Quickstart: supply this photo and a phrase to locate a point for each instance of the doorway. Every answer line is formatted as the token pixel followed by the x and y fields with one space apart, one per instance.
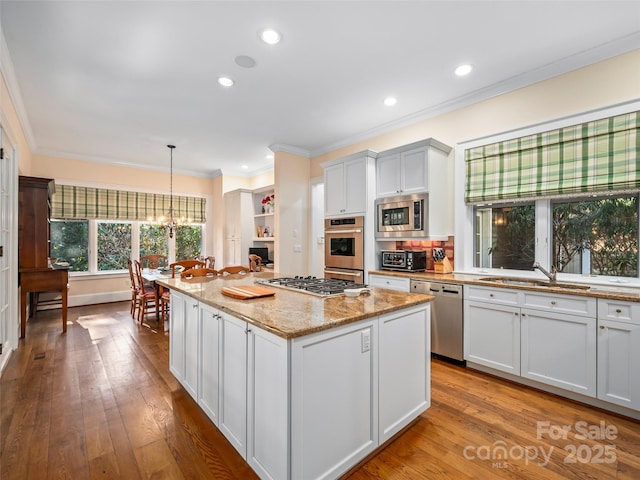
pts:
pixel 316 238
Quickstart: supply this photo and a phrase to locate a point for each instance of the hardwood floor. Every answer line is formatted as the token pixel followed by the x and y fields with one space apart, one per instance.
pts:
pixel 99 402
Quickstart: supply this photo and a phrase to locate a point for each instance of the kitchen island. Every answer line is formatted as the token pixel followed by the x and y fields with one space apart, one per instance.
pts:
pixel 302 386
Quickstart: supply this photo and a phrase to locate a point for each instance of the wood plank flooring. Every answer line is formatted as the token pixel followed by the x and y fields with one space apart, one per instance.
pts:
pixel 100 402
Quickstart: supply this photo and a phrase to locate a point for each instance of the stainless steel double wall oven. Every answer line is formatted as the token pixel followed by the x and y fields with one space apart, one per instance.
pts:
pixel 344 248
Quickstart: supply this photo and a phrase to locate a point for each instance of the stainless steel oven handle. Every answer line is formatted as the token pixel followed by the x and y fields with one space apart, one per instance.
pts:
pixel 349 274
pixel 343 231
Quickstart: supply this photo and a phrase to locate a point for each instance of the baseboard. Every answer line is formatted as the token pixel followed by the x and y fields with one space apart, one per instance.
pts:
pixel 91 299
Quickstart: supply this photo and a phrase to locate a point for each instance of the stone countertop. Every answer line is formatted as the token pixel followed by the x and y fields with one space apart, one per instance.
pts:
pixel 610 292
pixel 291 314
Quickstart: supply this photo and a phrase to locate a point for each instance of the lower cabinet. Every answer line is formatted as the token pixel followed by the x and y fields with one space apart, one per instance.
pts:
pixel 559 350
pixel 492 335
pixel 334 381
pixel 389 282
pixel 310 407
pixel 619 353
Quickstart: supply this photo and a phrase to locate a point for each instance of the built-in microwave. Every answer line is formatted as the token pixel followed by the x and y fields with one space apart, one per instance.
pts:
pixel 402 217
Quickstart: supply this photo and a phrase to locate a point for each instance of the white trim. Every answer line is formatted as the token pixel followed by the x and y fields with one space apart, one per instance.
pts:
pixel 281 147
pixel 91 299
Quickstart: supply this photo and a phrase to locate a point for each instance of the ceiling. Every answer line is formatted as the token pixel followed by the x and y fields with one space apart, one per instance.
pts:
pixel 116 81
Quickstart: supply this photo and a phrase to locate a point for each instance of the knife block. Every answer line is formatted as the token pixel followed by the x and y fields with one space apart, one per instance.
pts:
pixel 443 266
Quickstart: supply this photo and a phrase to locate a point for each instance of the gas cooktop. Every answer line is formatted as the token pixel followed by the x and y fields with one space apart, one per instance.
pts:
pixel 323 287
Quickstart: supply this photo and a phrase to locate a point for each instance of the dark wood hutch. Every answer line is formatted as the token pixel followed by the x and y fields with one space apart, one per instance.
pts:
pixel 34 236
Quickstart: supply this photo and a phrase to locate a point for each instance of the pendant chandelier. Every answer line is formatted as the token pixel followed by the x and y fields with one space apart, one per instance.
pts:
pixel 170 221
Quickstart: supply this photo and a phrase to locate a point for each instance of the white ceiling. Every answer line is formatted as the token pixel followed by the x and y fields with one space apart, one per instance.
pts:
pixel 115 81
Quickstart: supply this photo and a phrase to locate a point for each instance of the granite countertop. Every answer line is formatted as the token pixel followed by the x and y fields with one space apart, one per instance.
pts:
pixel 291 314
pixel 610 291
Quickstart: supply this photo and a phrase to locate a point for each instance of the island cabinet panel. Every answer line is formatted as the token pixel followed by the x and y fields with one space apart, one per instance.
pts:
pixel 176 337
pixel 492 335
pixel 619 353
pixel 191 340
pixel 268 404
pixel 233 382
pixel 334 385
pixel 404 369
pixel 209 361
pixel 559 350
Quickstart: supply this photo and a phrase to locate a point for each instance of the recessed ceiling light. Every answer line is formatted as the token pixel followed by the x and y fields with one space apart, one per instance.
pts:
pixel 269 157
pixel 270 36
pixel 463 70
pixel 225 81
pixel 390 101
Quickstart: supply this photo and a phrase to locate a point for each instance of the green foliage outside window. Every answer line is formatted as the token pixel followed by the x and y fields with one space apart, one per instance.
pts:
pixel 70 243
pixel 597 235
pixel 114 245
pixel 188 242
pixel 153 240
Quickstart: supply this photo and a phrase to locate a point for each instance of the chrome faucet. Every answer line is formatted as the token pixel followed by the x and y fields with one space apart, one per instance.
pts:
pixel 551 276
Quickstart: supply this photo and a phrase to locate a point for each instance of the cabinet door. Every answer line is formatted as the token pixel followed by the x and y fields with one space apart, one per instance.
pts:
pixel 233 382
pixel 414 171
pixel 492 336
pixel 404 366
pixel 268 404
pixel 334 199
pixel 559 350
pixel 333 385
pixel 355 186
pixel 209 352
pixel 176 337
pixel 388 181
pixel 619 363
pixel 191 334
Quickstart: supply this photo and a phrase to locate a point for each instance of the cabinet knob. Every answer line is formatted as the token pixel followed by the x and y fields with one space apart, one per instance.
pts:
pixel 618 310
pixel 602 327
pixel 515 313
pixel 491 295
pixel 553 302
pixel 523 314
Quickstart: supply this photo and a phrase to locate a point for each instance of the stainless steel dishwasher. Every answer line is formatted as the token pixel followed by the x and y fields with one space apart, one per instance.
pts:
pixel 446 317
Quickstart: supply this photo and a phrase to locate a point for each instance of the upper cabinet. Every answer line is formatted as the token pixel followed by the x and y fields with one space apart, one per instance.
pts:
pixel 347 185
pixel 415 168
pixel 34 207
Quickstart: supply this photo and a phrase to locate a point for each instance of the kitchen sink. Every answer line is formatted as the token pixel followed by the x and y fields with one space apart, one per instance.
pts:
pixel 535 283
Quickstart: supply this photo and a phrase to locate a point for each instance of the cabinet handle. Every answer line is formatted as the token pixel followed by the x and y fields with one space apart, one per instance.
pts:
pixel 491 295
pixel 602 327
pixel 553 302
pixel 618 310
pixel 523 314
pixel 515 313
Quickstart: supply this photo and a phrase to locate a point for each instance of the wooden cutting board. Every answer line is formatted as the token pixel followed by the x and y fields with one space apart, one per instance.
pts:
pixel 245 292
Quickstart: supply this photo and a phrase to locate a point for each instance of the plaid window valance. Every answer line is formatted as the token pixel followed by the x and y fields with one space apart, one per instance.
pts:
pixel 597 156
pixel 103 204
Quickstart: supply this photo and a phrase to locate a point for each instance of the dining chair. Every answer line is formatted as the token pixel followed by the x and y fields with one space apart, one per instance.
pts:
pixel 134 288
pixel 153 261
pixel 147 296
pixel 234 269
pixel 199 272
pixel 255 262
pixel 186 265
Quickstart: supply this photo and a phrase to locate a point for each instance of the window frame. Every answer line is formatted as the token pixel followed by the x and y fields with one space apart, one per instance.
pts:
pixel 464 215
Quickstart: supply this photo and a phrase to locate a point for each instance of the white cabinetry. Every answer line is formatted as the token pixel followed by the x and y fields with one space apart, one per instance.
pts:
pixel 176 337
pixel 334 381
pixel 233 382
pixel 559 341
pixel 346 183
pixel 238 226
pixel 404 369
pixel 391 283
pixel 492 335
pixel 619 352
pixel 268 404
pixel 183 345
pixel 209 361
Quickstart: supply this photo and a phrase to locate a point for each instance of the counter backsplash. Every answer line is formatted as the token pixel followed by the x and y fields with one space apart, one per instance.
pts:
pixel 428 245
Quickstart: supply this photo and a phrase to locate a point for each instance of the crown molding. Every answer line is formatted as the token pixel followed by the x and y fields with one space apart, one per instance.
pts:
pixel 8 73
pixel 565 65
pixel 282 147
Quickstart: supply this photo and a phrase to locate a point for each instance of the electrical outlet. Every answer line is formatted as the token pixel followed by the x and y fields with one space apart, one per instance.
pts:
pixel 366 340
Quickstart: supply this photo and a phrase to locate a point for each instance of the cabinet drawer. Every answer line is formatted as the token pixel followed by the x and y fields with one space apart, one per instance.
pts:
pixel 391 283
pixel 561 303
pixel 628 312
pixel 503 296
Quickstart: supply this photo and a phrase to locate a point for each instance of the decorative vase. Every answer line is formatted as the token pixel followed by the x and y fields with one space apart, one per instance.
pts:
pixel 268 208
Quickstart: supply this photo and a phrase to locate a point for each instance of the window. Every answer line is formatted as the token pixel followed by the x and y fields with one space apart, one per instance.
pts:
pixel 505 236
pixel 188 241
pixel 596 235
pixel 70 243
pixel 153 240
pixel 114 245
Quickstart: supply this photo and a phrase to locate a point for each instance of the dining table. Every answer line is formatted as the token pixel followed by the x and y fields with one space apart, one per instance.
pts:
pixel 150 275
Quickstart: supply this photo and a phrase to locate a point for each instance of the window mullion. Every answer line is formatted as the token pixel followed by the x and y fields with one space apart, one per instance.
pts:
pixel 93 246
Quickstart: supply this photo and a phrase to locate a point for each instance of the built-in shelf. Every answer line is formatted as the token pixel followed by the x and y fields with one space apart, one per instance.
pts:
pixel 264 239
pixel 263 215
